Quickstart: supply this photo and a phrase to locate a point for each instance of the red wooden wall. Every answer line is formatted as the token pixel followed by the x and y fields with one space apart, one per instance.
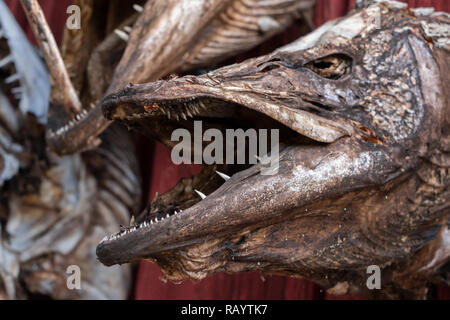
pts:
pixel 162 174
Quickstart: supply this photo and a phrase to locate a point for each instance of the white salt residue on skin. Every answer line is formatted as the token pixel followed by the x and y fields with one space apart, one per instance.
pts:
pixel 329 93
pixel 330 172
pixel 419 12
pixel 347 28
pixel 439 32
pixel 350 27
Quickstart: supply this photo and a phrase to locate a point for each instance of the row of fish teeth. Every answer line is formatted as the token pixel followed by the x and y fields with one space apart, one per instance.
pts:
pixel 191 110
pixel 146 224
pixel 80 116
pixel 124 34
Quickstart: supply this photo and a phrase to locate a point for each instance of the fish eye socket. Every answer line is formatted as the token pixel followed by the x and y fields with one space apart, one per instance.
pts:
pixel 333 67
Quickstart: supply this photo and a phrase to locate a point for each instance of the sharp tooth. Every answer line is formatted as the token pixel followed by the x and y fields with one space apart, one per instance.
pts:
pixel 183 116
pixel 122 35
pixel 12 78
pixel 200 194
pixel 127 29
pixel 167 216
pixel 6 60
pixel 151 222
pixel 138 8
pixel 189 114
pixel 223 175
pixel 132 221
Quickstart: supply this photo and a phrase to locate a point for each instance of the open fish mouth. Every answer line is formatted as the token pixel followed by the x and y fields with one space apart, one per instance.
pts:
pixel 222 184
